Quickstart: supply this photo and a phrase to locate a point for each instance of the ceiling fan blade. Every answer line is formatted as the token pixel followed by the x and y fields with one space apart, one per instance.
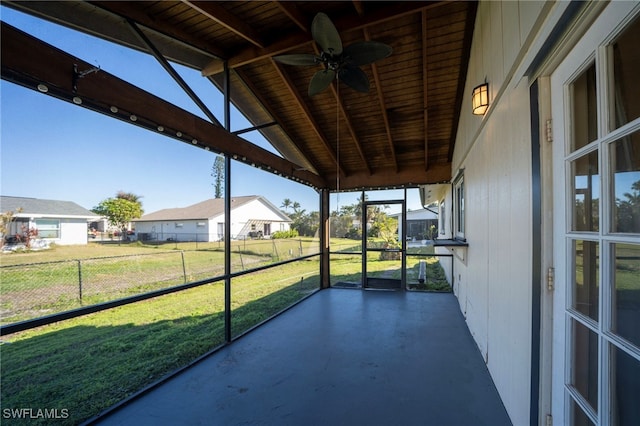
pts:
pixel 355 78
pixel 326 35
pixel 320 81
pixel 366 52
pixel 297 59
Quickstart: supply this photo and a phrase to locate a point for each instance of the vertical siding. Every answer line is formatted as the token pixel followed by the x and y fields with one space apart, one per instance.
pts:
pixel 494 280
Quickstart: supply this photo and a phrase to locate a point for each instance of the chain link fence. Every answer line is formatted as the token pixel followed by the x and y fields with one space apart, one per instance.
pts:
pixel 38 289
pixel 34 290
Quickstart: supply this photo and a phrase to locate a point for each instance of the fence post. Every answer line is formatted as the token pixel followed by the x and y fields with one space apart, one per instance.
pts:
pixel 184 268
pixel 275 249
pixel 80 278
pixel 241 261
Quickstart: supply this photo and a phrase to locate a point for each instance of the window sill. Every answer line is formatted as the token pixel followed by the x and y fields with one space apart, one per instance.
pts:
pixel 450 243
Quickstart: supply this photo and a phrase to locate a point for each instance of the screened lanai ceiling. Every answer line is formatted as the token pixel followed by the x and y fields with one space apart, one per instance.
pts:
pixel 399 133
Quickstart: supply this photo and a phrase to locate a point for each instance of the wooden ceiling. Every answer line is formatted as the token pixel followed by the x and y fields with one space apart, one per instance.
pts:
pixel 400 133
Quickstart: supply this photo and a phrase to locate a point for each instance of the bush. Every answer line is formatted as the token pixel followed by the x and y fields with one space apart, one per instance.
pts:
pixel 291 233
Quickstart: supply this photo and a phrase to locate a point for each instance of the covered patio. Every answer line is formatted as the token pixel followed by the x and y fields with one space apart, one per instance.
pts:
pixel 340 357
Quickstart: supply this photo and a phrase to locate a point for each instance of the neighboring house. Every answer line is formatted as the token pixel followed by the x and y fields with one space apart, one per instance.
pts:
pixel 251 217
pixel 419 223
pixel 60 222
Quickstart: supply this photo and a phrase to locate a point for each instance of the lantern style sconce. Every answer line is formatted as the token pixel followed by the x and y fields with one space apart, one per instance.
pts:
pixel 480 99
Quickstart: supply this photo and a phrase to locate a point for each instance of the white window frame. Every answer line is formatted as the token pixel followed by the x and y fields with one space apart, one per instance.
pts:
pixel 50 222
pixel 459 219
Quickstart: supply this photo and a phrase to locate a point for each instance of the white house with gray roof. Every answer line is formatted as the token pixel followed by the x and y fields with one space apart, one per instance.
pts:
pixel 60 222
pixel 251 217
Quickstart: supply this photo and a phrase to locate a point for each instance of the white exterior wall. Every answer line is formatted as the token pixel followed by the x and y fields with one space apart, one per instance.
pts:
pixel 493 275
pixel 72 232
pixel 255 210
pixel 169 229
pixel 189 229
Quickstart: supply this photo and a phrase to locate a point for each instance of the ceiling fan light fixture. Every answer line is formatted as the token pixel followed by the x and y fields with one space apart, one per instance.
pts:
pixel 338 62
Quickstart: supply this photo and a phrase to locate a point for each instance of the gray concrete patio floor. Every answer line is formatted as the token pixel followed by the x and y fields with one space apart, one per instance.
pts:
pixel 341 357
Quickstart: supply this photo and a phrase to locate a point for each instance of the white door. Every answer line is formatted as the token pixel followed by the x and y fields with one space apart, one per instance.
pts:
pixel 595 94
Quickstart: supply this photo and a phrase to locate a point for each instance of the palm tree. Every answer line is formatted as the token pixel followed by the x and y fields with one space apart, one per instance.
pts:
pixel 286 203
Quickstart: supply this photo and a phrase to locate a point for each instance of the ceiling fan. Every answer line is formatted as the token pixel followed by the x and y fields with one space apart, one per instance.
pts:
pixel 338 62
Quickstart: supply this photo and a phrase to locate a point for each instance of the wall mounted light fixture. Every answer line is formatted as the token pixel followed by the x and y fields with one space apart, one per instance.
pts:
pixel 480 99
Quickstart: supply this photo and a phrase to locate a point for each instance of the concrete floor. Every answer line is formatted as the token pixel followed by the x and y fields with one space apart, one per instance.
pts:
pixel 341 357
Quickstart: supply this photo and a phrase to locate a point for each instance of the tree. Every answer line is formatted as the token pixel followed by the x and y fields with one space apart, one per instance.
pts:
pixel 286 203
pixel 129 196
pixel 119 212
pixel 627 216
pixel 217 172
pixel 5 220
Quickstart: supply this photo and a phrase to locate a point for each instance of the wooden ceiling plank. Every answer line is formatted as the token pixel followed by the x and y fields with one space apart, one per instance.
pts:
pixel 247 81
pixel 296 15
pixel 307 113
pixel 22 59
pixel 217 13
pixel 383 107
pixel 132 11
pixel 344 25
pixel 425 86
pixel 358 5
pixel 349 124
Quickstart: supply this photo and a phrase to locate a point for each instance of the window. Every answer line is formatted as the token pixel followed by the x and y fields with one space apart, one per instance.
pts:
pixel 441 218
pixel 179 225
pixel 458 207
pixel 48 228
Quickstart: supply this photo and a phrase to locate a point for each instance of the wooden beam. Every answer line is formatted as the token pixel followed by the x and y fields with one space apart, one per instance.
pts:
pixel 343 25
pixel 29 62
pixel 133 11
pixel 358 5
pixel 347 120
pixel 425 87
pixel 276 116
pixel 215 12
pixel 296 15
pixel 383 107
pixel 308 115
pixel 389 178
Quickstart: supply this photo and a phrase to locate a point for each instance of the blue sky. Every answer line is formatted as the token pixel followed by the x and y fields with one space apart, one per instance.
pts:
pixel 56 150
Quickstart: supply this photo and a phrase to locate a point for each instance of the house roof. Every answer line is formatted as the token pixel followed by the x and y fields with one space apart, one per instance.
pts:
pixel 205 209
pixel 400 133
pixel 31 207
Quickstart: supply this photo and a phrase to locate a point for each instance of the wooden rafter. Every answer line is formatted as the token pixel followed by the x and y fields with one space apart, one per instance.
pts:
pixel 308 115
pixel 273 113
pixel 425 86
pixel 343 25
pixel 214 11
pixel 132 11
pixel 383 108
pixel 296 16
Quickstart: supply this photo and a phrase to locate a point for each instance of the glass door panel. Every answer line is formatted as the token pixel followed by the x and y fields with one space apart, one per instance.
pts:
pixel 383 256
